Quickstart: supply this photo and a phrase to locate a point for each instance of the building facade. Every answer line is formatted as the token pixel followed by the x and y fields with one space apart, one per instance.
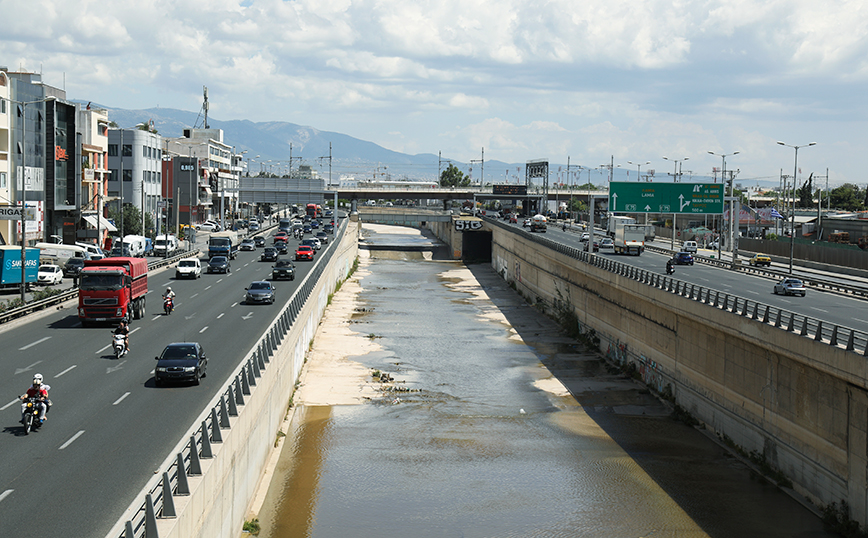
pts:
pixel 94 126
pixel 135 163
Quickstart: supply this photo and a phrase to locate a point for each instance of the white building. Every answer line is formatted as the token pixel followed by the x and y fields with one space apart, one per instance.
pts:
pixel 136 156
pixel 6 230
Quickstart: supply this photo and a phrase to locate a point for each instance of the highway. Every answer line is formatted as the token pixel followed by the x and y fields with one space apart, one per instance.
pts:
pixel 830 307
pixel 110 427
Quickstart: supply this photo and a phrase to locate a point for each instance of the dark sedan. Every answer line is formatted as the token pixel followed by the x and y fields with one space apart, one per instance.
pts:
pixel 73 267
pixel 323 237
pixel 682 258
pixel 280 246
pixel 259 292
pixel 268 255
pixel 259 241
pixel 219 264
pixel 283 270
pixel 184 361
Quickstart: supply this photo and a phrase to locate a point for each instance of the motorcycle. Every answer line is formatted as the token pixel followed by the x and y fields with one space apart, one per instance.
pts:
pixel 32 414
pixel 670 269
pixel 119 345
pixel 168 305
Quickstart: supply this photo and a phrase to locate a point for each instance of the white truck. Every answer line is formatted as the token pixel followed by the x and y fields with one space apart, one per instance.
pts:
pixel 165 245
pixel 629 239
pixel 137 245
pixel 538 224
pixel 617 221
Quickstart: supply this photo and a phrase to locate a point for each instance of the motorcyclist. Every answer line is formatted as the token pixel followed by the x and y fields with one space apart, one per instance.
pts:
pixel 565 226
pixel 169 294
pixel 124 329
pixel 670 267
pixel 36 390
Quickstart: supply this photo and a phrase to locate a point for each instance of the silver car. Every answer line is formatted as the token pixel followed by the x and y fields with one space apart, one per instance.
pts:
pixel 790 286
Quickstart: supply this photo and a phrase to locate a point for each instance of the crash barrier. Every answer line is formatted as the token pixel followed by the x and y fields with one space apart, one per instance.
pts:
pixel 48 302
pixel 253 402
pixel 816 329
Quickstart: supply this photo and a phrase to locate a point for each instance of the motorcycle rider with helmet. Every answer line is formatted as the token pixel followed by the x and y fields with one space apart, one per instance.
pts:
pixel 124 329
pixel 169 295
pixel 36 390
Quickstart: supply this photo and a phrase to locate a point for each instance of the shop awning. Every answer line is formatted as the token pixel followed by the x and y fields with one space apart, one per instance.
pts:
pixel 99 222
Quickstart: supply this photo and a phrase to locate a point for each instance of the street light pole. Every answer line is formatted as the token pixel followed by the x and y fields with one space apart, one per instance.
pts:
pixel 793 213
pixel 731 201
pixel 639 169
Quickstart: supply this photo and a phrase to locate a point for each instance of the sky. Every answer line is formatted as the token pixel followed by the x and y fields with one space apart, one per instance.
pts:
pixel 592 81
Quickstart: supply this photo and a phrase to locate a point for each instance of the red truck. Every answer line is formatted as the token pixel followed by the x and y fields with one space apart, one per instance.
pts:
pixel 112 289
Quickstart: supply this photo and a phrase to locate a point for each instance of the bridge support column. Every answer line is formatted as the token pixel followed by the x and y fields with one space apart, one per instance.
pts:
pixel 857 458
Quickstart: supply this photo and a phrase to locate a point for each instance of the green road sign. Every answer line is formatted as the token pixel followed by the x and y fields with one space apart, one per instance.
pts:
pixel 693 198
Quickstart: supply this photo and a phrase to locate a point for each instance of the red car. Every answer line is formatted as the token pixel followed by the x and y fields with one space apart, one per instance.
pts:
pixel 304 252
pixel 280 236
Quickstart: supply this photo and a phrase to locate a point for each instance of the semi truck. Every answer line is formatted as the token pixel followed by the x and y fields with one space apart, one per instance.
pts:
pixel 223 244
pixel 10 266
pixel 538 224
pixel 629 239
pixel 112 289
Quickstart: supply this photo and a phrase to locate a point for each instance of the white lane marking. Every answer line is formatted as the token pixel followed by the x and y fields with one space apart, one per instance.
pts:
pixel 248 316
pixel 111 369
pixel 7 492
pixel 119 400
pixel 205 328
pixel 753 292
pixel 860 320
pixel 219 281
pixel 233 305
pixel 819 309
pixel 195 294
pixel 71 439
pixel 10 404
pixel 98 351
pixel 149 291
pixel 63 372
pixel 158 316
pixel 34 343
pixel 221 315
pixel 134 330
pixel 166 285
pixel 208 288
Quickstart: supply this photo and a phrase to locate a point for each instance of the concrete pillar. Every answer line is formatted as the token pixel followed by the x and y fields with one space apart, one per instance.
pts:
pixel 857 455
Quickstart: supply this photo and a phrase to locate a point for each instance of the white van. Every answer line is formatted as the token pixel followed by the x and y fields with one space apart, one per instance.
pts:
pixel 136 244
pixel 165 245
pixel 59 253
pixel 94 251
pixel 188 268
pixel 689 246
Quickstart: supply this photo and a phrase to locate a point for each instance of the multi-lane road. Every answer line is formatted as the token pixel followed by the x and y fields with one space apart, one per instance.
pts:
pixel 110 427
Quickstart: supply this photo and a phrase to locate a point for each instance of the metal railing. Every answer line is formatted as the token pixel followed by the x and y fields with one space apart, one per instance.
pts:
pixel 826 332
pixel 159 500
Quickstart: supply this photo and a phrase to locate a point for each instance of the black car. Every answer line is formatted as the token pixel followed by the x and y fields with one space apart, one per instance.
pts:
pixel 329 228
pixel 219 264
pixel 682 258
pixel 323 237
pixel 307 229
pixel 259 241
pixel 182 361
pixel 283 269
pixel 280 246
pixel 259 292
pixel 268 255
pixel 73 267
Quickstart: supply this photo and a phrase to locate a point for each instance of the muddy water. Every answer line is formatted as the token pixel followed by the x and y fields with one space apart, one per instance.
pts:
pixel 497 426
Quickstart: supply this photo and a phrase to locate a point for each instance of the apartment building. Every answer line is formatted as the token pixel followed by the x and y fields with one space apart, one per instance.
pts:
pixel 135 163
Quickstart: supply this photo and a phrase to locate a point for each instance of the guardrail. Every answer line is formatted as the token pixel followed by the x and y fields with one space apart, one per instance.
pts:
pixel 828 333
pixel 159 501
pixel 35 306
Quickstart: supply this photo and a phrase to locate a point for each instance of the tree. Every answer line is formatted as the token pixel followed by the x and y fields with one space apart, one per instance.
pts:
pixel 453 177
pixel 805 193
pixel 847 197
pixel 132 221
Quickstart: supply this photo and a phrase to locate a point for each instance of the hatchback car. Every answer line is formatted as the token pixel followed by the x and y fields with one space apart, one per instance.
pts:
pixel 73 266
pixel 247 244
pixel 281 247
pixel 259 292
pixel 760 259
pixel 184 361
pixel 259 241
pixel 283 270
pixel 268 255
pixel 323 237
pixel 49 274
pixel 307 229
pixel 790 286
pixel 682 258
pixel 304 252
pixel 219 264
pixel 280 236
pixel 253 226
pixel 606 245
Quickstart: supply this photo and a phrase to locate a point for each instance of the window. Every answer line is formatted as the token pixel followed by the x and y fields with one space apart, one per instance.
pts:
pixel 113 150
pixel 128 150
pixel 113 175
pixel 2 180
pixel 2 106
pixel 128 175
pixel 145 152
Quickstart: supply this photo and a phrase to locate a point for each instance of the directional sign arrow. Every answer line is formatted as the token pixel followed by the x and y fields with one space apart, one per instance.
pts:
pixel 248 316
pixel 615 201
pixel 683 204
pixel 191 316
pixel 648 208
pixel 22 370
pixel 111 369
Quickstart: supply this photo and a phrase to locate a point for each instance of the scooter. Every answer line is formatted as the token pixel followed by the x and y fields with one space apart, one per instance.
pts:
pixel 32 414
pixel 670 268
pixel 168 305
pixel 119 345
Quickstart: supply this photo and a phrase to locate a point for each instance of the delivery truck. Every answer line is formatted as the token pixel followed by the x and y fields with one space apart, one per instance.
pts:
pixel 629 239
pixel 10 266
pixel 112 289
pixel 223 244
pixel 165 245
pixel 538 224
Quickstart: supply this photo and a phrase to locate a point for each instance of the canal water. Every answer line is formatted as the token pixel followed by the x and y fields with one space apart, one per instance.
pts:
pixel 496 425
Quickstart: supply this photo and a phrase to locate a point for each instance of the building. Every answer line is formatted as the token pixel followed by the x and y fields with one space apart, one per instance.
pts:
pixel 7 227
pixel 94 127
pixel 135 160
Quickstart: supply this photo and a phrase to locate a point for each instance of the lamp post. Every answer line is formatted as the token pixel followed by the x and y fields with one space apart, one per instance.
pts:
pixel 731 244
pixel 793 212
pixel 639 168
pixel 675 180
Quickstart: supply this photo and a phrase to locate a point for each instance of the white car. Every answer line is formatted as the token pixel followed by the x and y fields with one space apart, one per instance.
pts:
pixel 607 245
pixel 208 226
pixel 188 268
pixel 689 246
pixel 49 274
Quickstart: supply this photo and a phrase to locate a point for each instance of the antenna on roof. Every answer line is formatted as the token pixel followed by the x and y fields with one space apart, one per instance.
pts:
pixel 205 106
